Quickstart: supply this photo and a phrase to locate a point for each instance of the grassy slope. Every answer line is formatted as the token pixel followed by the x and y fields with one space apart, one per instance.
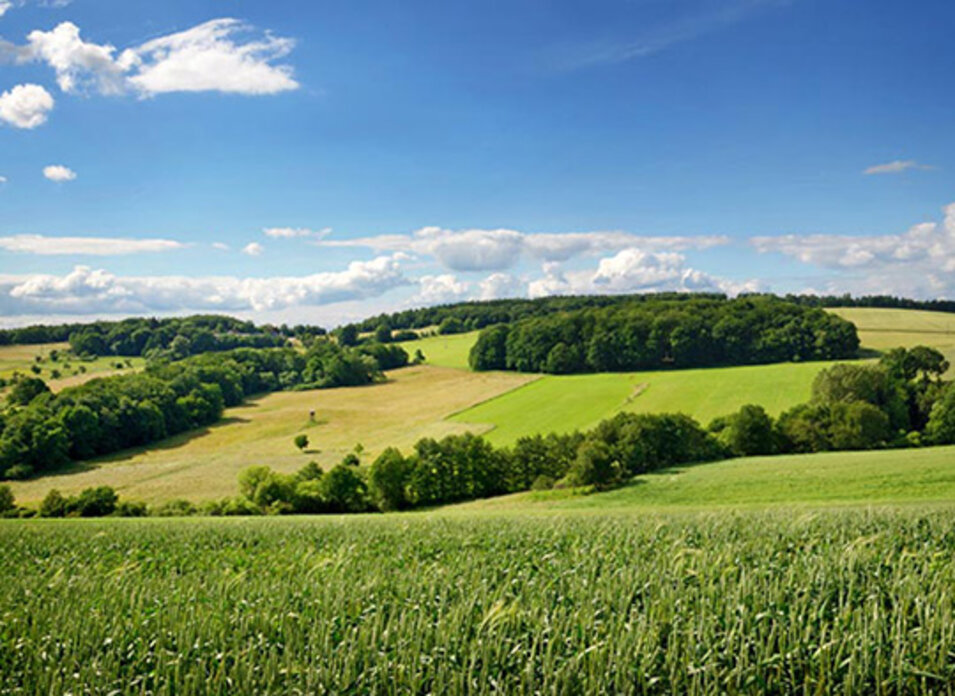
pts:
pixel 565 403
pixel 562 404
pixel 881 329
pixel 444 351
pixel 894 476
pixel 204 464
pixel 21 358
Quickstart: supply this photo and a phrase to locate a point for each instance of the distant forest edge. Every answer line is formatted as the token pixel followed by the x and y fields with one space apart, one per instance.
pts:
pixel 174 338
pixel 470 316
pixel 204 333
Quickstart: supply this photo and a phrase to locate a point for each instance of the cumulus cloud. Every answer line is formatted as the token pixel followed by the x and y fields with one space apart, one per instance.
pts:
pixel 85 290
pixel 441 289
pixel 634 271
pixel 89 246
pixel 501 285
pixel 221 55
pixel 78 63
pixel 253 249
pixel 919 261
pixel 896 167
pixel 25 106
pixel 4 6
pixel 296 232
pixel 3 179
pixel 58 172
pixel 221 246
pixel 500 249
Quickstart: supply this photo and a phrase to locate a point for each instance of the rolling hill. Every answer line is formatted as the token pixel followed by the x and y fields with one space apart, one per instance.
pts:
pixel 443 397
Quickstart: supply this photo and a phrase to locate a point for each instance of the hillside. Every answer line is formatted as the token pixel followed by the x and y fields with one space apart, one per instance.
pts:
pixel 204 464
pixel 443 397
pixel 831 478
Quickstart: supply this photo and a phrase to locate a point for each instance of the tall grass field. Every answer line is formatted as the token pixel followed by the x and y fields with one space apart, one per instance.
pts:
pixel 831 601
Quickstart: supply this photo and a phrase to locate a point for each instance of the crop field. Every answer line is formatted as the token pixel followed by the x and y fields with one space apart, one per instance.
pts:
pixel 205 464
pixel 21 358
pixel 828 601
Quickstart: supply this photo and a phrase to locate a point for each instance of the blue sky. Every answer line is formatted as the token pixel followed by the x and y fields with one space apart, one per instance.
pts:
pixel 317 162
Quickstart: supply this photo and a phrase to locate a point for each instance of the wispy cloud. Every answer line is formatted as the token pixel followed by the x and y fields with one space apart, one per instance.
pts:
pixel 91 246
pixel 706 18
pixel 896 167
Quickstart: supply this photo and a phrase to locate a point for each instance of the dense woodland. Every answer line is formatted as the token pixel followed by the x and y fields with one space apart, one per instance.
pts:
pixel 150 337
pixel 41 431
pixel 661 333
pixel 470 316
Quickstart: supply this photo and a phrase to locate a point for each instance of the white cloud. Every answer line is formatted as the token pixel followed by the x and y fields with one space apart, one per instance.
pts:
pixel 215 56
pixel 205 58
pixel 78 63
pixel 253 249
pixel 896 167
pixel 296 232
pixel 634 271
pixel 500 249
pixel 441 289
pixel 57 172
pixel 91 246
pixel 500 285
pixel 221 246
pixel 918 262
pixel 3 179
pixel 4 6
pixel 25 106
pixel 88 291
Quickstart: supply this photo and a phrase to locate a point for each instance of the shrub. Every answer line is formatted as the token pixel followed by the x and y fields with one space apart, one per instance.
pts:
pixel 301 441
pixel 344 490
pixel 388 480
pixel 7 501
pixel 596 465
pixel 750 431
pixel 940 429
pixel 25 390
pixel 53 505
pixel 95 502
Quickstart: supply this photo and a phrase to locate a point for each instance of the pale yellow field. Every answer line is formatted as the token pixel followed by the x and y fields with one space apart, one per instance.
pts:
pixel 882 329
pixel 20 359
pixel 205 464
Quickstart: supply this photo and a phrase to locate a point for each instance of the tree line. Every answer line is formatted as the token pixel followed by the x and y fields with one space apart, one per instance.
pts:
pixel 474 315
pixel 41 431
pixel 175 338
pixel 900 402
pixel 662 333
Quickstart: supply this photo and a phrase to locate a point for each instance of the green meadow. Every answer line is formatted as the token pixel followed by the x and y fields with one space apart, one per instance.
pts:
pixel 565 403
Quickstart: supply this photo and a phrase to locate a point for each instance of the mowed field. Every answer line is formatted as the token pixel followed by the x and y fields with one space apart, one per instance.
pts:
pixel 204 464
pixel 20 359
pixel 444 351
pixel 882 329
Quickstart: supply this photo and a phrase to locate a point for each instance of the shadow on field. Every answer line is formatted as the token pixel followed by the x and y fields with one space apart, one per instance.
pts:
pixel 169 443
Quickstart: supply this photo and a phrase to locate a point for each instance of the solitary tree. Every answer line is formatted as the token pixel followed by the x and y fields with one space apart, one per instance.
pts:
pixel 301 441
